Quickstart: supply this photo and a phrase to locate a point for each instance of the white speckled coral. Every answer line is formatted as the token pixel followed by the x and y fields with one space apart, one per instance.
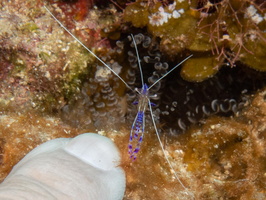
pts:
pixel 84 168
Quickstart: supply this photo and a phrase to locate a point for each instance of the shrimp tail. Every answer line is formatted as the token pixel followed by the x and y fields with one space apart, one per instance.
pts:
pixel 136 135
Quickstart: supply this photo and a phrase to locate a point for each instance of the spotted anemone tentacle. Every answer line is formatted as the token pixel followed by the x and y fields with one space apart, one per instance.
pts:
pixel 136 135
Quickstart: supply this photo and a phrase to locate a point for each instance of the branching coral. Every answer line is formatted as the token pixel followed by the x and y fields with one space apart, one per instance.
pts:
pixel 217 32
pixel 230 26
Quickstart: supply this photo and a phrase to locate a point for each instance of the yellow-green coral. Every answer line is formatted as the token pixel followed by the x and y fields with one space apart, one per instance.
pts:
pixel 76 67
pixel 29 27
pixel 257 47
pixel 198 68
pixel 137 14
pixel 174 24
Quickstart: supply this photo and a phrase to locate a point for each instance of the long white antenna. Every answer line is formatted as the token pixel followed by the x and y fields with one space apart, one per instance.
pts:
pixel 137 53
pixel 86 47
pixel 164 153
pixel 161 144
pixel 170 71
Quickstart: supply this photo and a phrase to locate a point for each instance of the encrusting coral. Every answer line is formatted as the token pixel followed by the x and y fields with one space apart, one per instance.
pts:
pixel 35 75
pixel 41 65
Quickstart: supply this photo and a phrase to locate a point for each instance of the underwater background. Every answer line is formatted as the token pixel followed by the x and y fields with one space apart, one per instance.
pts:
pixel 210 111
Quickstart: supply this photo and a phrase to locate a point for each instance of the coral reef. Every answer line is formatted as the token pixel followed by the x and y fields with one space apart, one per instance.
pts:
pixel 225 94
pixel 41 66
pixel 225 158
pixel 208 159
pixel 180 103
pixel 32 73
pixel 217 32
pixel 51 87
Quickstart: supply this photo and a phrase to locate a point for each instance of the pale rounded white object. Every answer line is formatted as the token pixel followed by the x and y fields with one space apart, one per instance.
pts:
pixel 94 151
pixel 83 168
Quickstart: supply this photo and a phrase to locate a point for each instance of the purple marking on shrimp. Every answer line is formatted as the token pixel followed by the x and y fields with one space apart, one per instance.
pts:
pixel 135 103
pixel 136 150
pixel 138 130
pixel 153 104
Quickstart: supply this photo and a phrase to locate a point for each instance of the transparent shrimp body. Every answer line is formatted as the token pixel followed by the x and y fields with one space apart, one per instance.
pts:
pixel 138 126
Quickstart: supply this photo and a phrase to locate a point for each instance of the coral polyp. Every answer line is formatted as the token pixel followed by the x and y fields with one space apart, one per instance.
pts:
pixel 224 94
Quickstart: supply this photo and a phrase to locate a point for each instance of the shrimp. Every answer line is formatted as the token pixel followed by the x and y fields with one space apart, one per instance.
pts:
pixel 138 126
